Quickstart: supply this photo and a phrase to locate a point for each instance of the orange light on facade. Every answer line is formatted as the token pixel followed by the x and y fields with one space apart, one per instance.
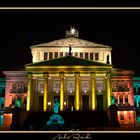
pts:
pixel 7 119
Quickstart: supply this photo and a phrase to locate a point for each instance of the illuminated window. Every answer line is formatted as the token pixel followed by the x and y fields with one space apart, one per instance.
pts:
pixel 41 88
pixel 99 86
pixel 91 56
pixel 81 55
pixel 71 86
pixel 20 87
pixel 56 86
pixel 85 86
pixel 86 55
pixel 45 55
pixel 50 55
pixel 56 55
pixel 96 56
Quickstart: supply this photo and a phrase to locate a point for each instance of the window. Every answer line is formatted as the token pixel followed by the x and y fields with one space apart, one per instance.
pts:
pixel 86 55
pixel 121 117
pixel 126 86
pixel 41 88
pixel 3 92
pixel 50 55
pixel 56 86
pixel 138 90
pixel 126 98
pixel 96 56
pixel 76 54
pixel 121 99
pixel 61 54
pixel 14 88
pixel 56 55
pixel 45 55
pixel 71 86
pixel 25 88
pixel 134 89
pixel 85 86
pixel 20 87
pixel 91 56
pixel 81 55
pixel 99 86
pixel 116 100
pixel 66 53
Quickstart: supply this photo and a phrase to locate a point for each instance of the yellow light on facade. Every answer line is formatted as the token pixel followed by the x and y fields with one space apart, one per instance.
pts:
pixel 77 93
pixel 28 107
pixel 49 103
pixel 45 93
pixel 61 92
pixel 64 103
pixel 108 91
pixel 93 100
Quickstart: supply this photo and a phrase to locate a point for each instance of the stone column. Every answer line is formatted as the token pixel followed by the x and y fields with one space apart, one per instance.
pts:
pixel 45 99
pixel 123 98
pixel 61 91
pixel 36 96
pixel 118 99
pixel 108 90
pixel 93 95
pixel 29 92
pixel 77 91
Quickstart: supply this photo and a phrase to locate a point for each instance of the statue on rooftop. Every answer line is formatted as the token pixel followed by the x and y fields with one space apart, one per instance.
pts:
pixel 72 33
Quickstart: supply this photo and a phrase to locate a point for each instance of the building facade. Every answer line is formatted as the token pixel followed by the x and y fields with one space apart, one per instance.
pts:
pixel 77 72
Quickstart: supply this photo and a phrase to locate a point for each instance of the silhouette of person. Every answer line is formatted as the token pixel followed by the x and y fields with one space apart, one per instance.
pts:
pixel 56 106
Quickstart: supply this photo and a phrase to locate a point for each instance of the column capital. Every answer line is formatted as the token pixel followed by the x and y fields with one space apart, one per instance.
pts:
pixel 30 75
pixel 61 75
pixel 77 74
pixel 107 75
pixel 92 75
pixel 45 75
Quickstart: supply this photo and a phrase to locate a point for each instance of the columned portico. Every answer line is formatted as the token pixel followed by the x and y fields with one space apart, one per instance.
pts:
pixel 29 92
pixel 77 91
pixel 80 71
pixel 45 99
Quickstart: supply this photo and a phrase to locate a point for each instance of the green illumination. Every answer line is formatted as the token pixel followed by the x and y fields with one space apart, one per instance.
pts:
pixel 18 102
pixel 1 119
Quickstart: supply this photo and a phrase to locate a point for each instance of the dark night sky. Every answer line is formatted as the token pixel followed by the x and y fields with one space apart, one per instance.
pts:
pixel 20 29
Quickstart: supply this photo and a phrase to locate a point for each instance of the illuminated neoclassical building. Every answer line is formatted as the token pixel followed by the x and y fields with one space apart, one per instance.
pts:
pixel 77 72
